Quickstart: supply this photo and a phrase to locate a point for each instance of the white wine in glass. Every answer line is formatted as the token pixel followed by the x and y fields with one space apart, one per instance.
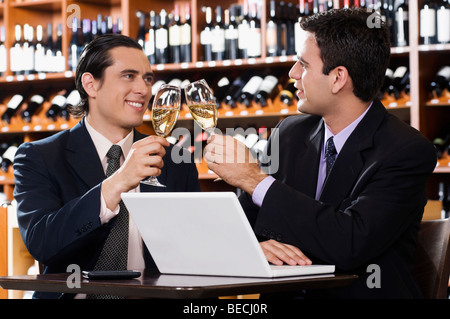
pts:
pixel 202 105
pixel 165 111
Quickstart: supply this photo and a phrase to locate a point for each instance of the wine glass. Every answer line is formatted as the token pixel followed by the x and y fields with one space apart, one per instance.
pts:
pixel 202 106
pixel 165 111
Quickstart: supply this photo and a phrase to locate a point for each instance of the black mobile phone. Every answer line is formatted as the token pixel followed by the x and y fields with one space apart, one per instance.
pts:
pixel 111 274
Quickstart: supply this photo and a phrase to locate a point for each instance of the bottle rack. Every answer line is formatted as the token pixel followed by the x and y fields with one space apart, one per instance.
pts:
pixel 418 108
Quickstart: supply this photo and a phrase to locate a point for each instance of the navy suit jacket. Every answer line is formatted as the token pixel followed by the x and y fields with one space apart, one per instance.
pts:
pixel 57 188
pixel 370 207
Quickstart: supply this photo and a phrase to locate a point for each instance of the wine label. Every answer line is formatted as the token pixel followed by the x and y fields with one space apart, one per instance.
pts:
pixel 252 85
pixel 73 98
pixel 59 100
pixel 38 99
pixel 15 101
pixel 10 153
pixel 174 35
pixel 268 84
pixel 427 22
pixel 443 23
pixel 161 38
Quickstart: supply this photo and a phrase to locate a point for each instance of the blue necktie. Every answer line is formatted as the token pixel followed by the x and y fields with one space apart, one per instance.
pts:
pixel 330 154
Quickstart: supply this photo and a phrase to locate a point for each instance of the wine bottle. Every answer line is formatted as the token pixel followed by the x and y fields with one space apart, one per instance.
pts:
pixel 110 25
pixel 49 58
pixel 266 88
pixel 39 51
pixel 234 92
pixel 8 157
pixel 57 104
pixel 303 11
pixel 218 37
pixel 13 106
pixel 87 33
pixel 175 36
pixel 288 94
pixel 73 99
pixel 59 64
pixel 206 36
pixel 28 50
pixel 141 32
pixel 34 104
pixel 186 37
pixel 183 85
pixel 221 89
pixel 16 52
pixel 402 24
pixel 440 82
pixel 290 30
pixel 149 45
pixel 399 80
pixel 162 39
pixel 243 31
pixel 155 88
pixel 118 27
pixel 249 90
pixel 282 30
pixel 387 87
pixel 428 22
pixel 443 22
pixel 251 138
pixel 2 52
pixel 271 31
pixel 254 46
pixel 231 34
pixel 74 47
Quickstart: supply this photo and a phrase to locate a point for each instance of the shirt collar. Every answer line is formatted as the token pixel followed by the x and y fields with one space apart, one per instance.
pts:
pixel 340 138
pixel 102 144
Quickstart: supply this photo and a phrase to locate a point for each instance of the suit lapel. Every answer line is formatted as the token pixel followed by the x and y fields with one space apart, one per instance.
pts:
pixel 350 160
pixel 306 182
pixel 83 157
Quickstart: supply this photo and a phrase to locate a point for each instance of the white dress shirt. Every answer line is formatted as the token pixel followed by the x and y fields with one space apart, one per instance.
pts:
pixel 135 245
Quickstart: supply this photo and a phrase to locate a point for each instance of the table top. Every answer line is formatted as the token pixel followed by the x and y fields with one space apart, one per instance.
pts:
pixel 152 284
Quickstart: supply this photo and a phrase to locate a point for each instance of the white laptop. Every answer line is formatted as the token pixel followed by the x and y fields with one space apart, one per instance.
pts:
pixel 204 233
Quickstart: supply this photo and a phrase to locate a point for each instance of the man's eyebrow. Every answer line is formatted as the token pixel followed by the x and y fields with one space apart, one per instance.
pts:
pixel 299 58
pixel 128 71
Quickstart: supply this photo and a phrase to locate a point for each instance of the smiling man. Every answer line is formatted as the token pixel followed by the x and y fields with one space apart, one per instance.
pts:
pixel 68 199
pixel 350 188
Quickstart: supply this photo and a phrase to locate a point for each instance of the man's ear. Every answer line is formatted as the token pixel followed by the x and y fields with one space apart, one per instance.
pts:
pixel 339 78
pixel 89 84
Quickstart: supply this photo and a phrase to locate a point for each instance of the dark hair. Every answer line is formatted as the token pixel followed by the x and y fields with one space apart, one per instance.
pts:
pixel 356 39
pixel 95 58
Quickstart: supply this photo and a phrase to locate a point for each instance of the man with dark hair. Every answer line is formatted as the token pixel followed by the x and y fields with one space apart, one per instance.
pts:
pixel 351 178
pixel 68 197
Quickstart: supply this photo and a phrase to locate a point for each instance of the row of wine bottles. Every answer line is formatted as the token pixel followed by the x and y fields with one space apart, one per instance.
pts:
pixel 36 50
pixel 255 138
pixel 435 22
pixel 396 82
pixel 440 85
pixel 245 90
pixel 34 103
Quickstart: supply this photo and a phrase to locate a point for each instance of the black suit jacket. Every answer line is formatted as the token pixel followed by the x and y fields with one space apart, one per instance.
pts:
pixel 370 207
pixel 57 188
